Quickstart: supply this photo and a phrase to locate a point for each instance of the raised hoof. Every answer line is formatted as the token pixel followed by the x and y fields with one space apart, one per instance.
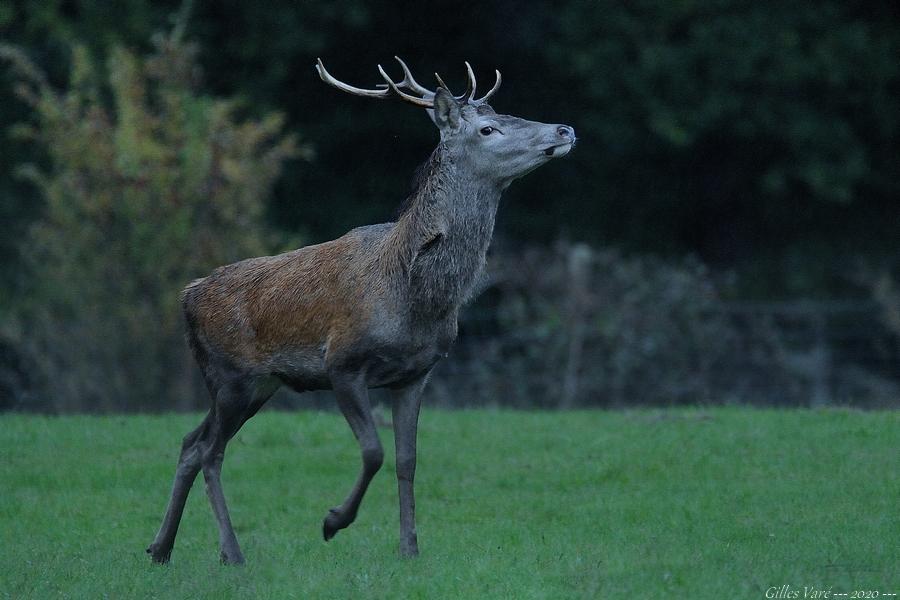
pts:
pixel 333 523
pixel 158 556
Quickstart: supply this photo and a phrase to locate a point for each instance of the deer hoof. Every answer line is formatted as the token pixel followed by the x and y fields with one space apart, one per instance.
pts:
pixel 334 522
pixel 158 556
pixel 234 559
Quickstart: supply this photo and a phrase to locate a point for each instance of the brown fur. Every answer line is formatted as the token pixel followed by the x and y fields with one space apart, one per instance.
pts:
pixel 306 299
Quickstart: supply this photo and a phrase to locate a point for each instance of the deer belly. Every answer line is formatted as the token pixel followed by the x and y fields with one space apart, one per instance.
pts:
pixel 301 369
pixel 389 369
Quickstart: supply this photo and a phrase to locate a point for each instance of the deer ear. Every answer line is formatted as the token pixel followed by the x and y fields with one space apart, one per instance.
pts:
pixel 446 110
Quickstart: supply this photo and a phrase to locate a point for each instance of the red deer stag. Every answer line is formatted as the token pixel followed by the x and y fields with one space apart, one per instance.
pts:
pixel 376 308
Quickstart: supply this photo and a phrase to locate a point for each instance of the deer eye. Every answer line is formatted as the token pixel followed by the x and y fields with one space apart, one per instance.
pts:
pixel 487 130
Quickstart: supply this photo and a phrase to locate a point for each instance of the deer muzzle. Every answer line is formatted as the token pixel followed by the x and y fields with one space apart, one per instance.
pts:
pixel 565 142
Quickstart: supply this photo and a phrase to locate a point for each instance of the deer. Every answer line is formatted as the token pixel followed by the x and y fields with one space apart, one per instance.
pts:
pixel 375 308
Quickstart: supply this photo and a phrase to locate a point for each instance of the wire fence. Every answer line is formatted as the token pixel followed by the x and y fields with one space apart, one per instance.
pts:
pixel 570 327
pixel 563 331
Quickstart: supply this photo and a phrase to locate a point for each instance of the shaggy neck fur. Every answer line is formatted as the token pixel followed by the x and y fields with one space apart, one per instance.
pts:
pixel 442 234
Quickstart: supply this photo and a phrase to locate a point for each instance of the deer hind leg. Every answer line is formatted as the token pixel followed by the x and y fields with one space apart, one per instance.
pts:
pixel 236 402
pixel 353 400
pixel 185 474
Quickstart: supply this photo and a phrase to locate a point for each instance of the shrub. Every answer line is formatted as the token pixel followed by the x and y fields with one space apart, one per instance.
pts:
pixel 574 326
pixel 148 184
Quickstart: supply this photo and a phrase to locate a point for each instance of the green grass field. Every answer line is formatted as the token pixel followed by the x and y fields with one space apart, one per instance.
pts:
pixel 718 503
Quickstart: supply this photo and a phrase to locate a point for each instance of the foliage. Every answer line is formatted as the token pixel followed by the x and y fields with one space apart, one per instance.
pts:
pixel 720 503
pixel 654 324
pixel 576 326
pixel 150 184
pixel 886 293
pixel 760 137
pixel 742 128
pixel 621 331
pixel 757 135
pixel 46 30
pixel 755 89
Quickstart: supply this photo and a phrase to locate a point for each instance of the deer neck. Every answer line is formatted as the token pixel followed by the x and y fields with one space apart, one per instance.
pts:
pixel 443 234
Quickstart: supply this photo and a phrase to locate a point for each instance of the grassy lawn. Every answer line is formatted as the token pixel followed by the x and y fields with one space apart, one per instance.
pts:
pixel 717 503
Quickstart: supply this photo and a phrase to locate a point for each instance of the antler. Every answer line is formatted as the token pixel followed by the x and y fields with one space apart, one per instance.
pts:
pixel 412 83
pixel 491 91
pixel 468 96
pixel 390 87
pixel 383 91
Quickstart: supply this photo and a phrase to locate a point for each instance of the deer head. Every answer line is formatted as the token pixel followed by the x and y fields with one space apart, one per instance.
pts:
pixel 494 147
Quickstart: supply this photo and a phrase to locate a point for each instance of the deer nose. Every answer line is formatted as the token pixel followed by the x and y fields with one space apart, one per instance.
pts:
pixel 565 131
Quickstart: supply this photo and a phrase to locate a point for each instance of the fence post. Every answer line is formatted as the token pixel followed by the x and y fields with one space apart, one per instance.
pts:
pixel 821 363
pixel 578 263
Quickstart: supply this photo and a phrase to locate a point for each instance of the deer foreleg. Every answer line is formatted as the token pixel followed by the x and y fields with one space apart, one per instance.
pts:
pixel 406 418
pixel 353 400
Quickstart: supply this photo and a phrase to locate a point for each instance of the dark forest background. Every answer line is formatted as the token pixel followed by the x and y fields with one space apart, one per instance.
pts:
pixel 726 230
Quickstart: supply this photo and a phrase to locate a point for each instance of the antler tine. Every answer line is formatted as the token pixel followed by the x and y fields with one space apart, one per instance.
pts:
pixel 468 96
pixel 330 80
pixel 442 84
pixel 470 86
pixel 410 81
pixel 490 93
pixel 403 95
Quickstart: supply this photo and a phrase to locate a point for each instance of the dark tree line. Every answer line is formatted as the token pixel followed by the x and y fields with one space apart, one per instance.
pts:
pixel 761 137
pixel 758 135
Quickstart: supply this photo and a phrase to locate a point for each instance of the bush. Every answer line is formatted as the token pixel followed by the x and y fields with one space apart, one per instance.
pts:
pixel 574 326
pixel 148 184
